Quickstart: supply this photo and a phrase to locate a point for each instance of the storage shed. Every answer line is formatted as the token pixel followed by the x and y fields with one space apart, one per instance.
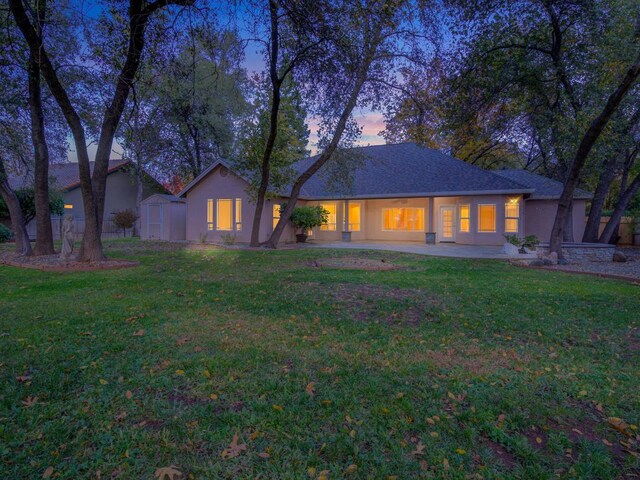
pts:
pixel 163 217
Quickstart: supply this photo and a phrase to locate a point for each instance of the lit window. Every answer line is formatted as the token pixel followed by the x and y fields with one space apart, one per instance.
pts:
pixel 486 218
pixel 224 212
pixel 210 214
pixel 238 214
pixel 465 218
pixel 276 214
pixel 511 215
pixel 68 206
pixel 408 219
pixel 354 217
pixel 331 220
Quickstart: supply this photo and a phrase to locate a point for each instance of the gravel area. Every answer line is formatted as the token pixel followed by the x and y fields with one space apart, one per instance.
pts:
pixel 56 264
pixel 628 269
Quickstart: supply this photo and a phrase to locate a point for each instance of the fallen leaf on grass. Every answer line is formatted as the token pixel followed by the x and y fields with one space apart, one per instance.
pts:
pixel 264 455
pixel 419 449
pixel 278 408
pixel 234 449
pixel 23 378
pixel 182 340
pixel 620 425
pixel 139 333
pixel 310 389
pixel 48 472
pixel 170 473
pixel 351 469
pixel 30 401
pixel 179 372
pixel 103 381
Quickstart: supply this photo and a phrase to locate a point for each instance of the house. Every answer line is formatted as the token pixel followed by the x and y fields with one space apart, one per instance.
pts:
pixel 121 192
pixel 402 192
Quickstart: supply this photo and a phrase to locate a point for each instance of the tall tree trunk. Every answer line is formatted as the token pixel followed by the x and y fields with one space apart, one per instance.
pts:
pixel 588 140
pixel 276 84
pixel 328 152
pixel 44 230
pixel 623 201
pixel 23 246
pixel 592 229
pixel 93 186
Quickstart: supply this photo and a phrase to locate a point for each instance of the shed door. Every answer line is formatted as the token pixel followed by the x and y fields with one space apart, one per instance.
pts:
pixel 154 220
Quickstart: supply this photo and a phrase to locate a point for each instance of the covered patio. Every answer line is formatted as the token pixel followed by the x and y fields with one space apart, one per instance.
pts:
pixel 419 248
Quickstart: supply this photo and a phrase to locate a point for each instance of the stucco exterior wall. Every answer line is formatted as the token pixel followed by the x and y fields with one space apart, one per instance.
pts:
pixel 222 183
pixel 120 195
pixel 542 213
pixel 372 223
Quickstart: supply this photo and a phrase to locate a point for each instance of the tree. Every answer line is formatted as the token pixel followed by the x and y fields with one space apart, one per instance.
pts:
pixel 26 197
pixel 289 146
pixel 93 185
pixel 292 36
pixel 560 63
pixel 365 41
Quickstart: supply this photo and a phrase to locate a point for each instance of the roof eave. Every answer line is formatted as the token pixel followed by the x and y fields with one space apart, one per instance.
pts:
pixel 465 193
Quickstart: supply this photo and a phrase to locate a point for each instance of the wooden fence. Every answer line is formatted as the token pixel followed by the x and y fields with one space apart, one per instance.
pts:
pixel 108 229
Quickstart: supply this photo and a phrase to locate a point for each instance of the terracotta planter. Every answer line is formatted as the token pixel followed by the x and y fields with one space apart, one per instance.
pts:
pixel 301 237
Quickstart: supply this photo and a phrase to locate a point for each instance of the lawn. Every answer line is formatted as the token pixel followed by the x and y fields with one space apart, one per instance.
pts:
pixel 431 368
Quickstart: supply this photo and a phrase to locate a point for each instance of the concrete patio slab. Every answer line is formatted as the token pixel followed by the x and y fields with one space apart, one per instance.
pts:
pixel 437 250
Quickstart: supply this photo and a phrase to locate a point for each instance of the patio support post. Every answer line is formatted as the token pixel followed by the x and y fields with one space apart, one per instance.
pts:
pixel 430 235
pixel 346 233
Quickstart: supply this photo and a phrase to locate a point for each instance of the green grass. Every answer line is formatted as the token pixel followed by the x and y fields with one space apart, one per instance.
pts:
pixel 442 368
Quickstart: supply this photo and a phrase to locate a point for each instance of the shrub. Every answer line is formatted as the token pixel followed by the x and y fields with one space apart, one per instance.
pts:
pixel 307 217
pixel 531 242
pixel 124 219
pixel 5 234
pixel 228 239
pixel 513 240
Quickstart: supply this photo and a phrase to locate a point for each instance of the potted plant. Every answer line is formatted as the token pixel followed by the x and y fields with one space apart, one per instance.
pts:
pixel 307 217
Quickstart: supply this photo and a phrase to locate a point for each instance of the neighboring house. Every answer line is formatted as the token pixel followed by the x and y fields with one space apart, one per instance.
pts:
pixel 401 192
pixel 120 192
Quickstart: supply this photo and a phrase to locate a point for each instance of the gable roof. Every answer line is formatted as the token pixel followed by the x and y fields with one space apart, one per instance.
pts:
pixel 66 175
pixel 545 188
pixel 408 170
pixel 404 170
pixel 205 173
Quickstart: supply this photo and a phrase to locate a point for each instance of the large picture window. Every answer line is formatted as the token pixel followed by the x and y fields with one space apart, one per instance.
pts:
pixel 354 217
pixel 224 214
pixel 487 218
pixel 465 218
pixel 332 208
pixel 210 214
pixel 511 216
pixel 403 219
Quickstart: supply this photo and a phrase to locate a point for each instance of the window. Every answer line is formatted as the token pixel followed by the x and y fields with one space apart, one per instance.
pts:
pixel 68 206
pixel 224 207
pixel 331 221
pixel 238 214
pixel 276 214
pixel 486 218
pixel 354 217
pixel 465 218
pixel 511 215
pixel 407 219
pixel 210 214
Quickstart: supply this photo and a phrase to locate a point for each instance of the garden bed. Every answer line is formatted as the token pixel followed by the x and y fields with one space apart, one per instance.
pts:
pixel 53 263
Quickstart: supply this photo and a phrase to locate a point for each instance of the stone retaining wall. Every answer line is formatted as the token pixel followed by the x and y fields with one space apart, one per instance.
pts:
pixel 584 252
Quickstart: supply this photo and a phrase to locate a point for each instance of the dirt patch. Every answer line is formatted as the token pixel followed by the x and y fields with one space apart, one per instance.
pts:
pixel 476 360
pixel 53 263
pixel 505 457
pixel 371 303
pixel 353 263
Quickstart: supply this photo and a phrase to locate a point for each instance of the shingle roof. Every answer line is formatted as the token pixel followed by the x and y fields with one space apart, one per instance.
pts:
pixel 545 188
pixel 66 175
pixel 405 169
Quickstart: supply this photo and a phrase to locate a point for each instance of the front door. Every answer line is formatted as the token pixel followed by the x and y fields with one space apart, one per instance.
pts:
pixel 447 223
